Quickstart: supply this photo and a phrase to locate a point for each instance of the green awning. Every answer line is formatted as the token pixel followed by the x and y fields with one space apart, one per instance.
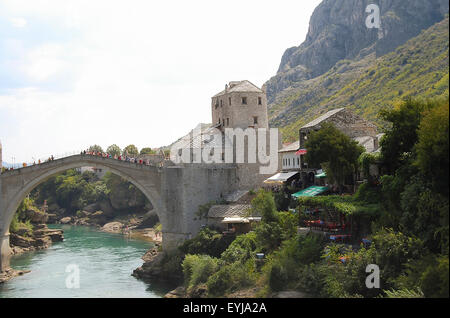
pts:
pixel 321 175
pixel 310 192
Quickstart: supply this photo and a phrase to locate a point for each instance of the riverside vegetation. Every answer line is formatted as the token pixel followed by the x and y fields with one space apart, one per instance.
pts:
pixel 405 213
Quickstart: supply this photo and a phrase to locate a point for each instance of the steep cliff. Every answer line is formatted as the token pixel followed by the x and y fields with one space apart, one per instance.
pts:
pixel 339 48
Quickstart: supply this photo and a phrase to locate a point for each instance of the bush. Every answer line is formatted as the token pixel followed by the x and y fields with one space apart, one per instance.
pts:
pixel 283 268
pixel 311 280
pixel 207 241
pixel 241 249
pixel 198 268
pixel 232 277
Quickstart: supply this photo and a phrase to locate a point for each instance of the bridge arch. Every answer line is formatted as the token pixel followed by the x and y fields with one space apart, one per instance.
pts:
pixel 17 184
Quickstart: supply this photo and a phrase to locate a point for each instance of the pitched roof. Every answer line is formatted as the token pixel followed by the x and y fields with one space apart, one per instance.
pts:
pixel 240 86
pixel 322 118
pixel 291 147
pixel 233 210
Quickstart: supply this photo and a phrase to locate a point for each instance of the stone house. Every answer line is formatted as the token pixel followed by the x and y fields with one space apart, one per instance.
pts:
pixel 235 218
pixel 292 156
pixel 241 105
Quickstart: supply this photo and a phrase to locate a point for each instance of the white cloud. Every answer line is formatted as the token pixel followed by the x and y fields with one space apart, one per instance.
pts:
pixel 138 72
pixel 18 22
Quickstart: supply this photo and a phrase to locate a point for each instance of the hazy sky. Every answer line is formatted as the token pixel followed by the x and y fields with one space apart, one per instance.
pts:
pixel 77 73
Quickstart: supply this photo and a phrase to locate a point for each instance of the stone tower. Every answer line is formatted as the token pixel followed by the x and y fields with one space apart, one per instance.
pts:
pixel 241 105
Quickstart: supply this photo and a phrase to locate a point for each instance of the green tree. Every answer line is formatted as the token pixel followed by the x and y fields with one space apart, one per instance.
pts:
pixel 147 151
pixel 399 139
pixel 114 150
pixel 433 147
pixel 95 148
pixel 334 151
pixel 264 204
pixel 130 150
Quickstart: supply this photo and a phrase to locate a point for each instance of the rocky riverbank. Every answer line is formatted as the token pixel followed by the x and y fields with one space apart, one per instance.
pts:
pixel 10 273
pixel 40 237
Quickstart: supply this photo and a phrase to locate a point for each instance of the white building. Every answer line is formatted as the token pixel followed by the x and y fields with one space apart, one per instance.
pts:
pixel 290 160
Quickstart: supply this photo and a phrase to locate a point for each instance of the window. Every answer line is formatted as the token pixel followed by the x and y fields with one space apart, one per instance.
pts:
pixel 255 120
pixel 217 103
pixel 244 100
pixel 221 103
pixel 259 101
pixel 219 121
pixel 228 121
pixel 229 101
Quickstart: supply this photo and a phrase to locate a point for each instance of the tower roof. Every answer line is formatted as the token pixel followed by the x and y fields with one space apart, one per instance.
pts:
pixel 240 86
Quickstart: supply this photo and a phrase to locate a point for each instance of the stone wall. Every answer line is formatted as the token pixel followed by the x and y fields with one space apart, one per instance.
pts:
pixel 240 115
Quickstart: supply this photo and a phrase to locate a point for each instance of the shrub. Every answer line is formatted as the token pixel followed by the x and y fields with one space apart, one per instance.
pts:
pixel 207 241
pixel 198 268
pixel 241 249
pixel 232 277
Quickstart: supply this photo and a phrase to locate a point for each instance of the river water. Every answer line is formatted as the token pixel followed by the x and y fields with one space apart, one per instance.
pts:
pixel 104 261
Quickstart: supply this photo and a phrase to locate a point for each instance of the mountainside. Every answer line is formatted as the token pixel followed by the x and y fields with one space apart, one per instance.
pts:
pixel 344 64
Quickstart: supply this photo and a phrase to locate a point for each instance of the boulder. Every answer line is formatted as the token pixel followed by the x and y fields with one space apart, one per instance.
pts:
pixel 113 227
pixel 98 218
pixel 149 219
pixel 107 209
pixel 65 220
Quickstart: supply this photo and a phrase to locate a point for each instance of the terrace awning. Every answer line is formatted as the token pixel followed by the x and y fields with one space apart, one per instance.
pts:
pixel 281 177
pixel 321 175
pixel 301 152
pixel 238 219
pixel 310 192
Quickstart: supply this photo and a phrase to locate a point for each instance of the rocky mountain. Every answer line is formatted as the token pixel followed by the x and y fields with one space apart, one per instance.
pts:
pixel 339 49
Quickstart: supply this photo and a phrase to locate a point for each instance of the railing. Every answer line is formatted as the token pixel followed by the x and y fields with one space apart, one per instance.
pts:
pixel 42 159
pixel 53 157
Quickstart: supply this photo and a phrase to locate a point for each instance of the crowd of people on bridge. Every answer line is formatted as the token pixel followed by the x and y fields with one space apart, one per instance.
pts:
pixel 125 158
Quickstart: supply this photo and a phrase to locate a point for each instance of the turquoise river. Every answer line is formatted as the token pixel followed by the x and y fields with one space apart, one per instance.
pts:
pixel 104 261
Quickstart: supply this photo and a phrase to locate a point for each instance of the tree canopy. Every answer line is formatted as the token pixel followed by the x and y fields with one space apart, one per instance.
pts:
pixel 95 148
pixel 334 151
pixel 130 150
pixel 147 151
pixel 433 147
pixel 114 150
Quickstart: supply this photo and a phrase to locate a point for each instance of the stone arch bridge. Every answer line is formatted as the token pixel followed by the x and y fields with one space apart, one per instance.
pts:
pixel 174 191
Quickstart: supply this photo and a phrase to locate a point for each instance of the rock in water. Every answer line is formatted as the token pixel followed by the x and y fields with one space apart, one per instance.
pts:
pixel 113 227
pixel 65 220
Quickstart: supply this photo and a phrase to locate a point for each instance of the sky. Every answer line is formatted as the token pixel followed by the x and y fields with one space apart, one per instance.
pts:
pixel 74 73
